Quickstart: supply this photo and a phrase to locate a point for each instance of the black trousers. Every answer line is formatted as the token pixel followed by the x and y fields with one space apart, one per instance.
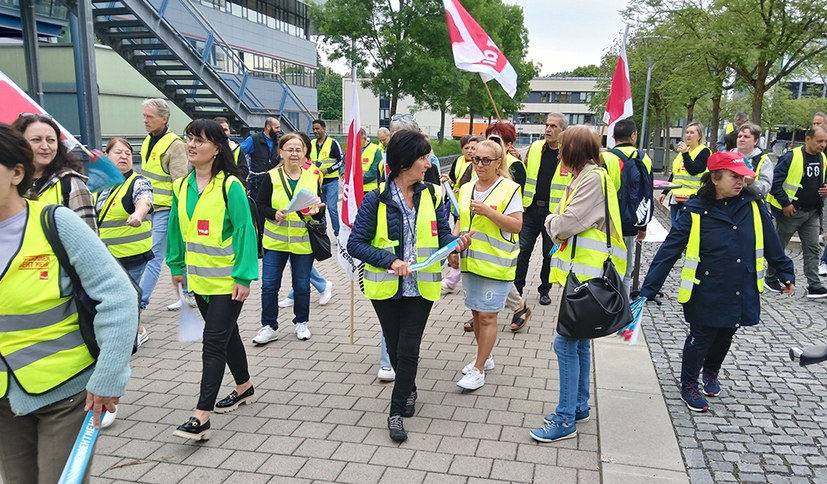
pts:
pixel 705 349
pixel 534 220
pixel 222 346
pixel 403 322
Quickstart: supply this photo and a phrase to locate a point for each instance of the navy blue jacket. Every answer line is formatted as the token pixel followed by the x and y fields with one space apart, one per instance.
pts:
pixel 364 228
pixel 727 295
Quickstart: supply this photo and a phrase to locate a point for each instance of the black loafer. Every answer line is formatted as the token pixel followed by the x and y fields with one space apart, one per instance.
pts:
pixel 193 429
pixel 410 406
pixel 544 299
pixel 233 400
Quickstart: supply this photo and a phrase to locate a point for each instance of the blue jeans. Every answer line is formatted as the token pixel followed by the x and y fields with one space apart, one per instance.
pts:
pixel 824 256
pixel 272 268
pixel 384 357
pixel 316 280
pixel 675 211
pixel 330 197
pixel 136 272
pixel 160 220
pixel 574 361
pixel 629 240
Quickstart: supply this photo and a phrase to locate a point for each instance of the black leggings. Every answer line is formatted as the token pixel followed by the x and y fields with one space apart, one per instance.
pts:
pixel 222 346
pixel 403 322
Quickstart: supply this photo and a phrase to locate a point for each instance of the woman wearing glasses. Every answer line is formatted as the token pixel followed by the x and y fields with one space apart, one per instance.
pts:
pixel 403 224
pixel 286 238
pixel 211 234
pixel 491 207
pixel 58 175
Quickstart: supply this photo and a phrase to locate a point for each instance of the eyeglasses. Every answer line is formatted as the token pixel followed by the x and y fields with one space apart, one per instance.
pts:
pixel 295 151
pixel 477 160
pixel 397 117
pixel 197 140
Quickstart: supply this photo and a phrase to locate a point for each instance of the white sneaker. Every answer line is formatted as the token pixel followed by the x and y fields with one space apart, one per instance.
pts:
pixel 472 380
pixel 327 294
pixel 446 289
pixel 108 418
pixel 302 332
pixel 286 302
pixel 143 337
pixel 174 306
pixel 177 304
pixel 822 269
pixel 487 366
pixel 386 374
pixel 265 335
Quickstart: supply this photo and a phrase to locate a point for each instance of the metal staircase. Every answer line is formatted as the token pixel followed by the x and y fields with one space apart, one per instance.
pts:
pixel 206 79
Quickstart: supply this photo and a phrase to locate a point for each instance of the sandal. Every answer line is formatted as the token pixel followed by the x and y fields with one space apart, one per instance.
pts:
pixel 468 325
pixel 520 318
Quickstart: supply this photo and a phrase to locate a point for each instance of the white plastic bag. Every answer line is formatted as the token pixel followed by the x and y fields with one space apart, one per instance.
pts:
pixel 190 324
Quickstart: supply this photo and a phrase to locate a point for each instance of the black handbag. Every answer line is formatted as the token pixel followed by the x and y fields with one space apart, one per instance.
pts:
pixel 316 230
pixel 599 306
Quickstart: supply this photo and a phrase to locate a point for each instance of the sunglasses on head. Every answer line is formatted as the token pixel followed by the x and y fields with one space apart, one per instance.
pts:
pixel 38 116
pixel 496 138
pixel 397 117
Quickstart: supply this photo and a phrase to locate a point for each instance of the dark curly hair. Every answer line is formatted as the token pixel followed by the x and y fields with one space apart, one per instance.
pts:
pixel 63 157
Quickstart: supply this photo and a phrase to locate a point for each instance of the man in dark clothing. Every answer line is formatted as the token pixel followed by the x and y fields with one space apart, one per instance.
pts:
pixel 796 197
pixel 262 151
pixel 540 167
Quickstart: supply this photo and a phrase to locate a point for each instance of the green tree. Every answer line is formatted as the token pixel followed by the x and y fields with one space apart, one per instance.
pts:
pixel 329 91
pixel 591 70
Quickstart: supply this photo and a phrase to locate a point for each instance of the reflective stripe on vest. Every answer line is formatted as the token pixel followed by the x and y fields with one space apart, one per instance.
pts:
pixel 322 158
pixel 490 255
pixel 40 341
pixel 368 154
pixel 121 239
pixel 289 235
pixel 693 258
pixel 151 168
pixel 689 183
pixel 381 284
pixel 559 182
pixel 794 175
pixel 535 153
pixel 210 259
pixel 591 252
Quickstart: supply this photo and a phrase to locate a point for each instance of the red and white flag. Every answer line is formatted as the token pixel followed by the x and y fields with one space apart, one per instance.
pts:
pixel 619 103
pixel 16 102
pixel 352 189
pixel 474 51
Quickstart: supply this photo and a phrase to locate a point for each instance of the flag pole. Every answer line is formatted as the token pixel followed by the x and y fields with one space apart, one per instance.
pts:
pixel 353 80
pixel 488 89
pixel 352 311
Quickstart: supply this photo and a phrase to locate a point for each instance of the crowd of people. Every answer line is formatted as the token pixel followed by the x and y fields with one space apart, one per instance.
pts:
pixel 210 208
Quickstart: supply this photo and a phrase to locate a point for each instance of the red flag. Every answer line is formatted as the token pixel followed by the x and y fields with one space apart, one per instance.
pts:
pixel 619 103
pixel 474 51
pixel 16 101
pixel 353 187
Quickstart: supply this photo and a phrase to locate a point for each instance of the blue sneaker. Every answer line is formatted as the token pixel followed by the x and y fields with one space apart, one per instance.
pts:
pixel 693 399
pixel 711 386
pixel 554 431
pixel 579 416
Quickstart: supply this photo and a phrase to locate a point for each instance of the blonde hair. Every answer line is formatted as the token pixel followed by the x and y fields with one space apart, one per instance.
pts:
pixel 499 152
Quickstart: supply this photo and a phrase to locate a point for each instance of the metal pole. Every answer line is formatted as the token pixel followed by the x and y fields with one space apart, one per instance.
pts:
pixel 83 41
pixel 30 50
pixel 642 140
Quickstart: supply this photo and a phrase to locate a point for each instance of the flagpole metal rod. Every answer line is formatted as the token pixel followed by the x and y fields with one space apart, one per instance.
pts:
pixel 352 311
pixel 352 289
pixel 488 89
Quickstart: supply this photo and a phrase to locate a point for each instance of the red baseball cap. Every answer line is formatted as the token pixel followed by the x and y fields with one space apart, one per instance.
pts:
pixel 729 160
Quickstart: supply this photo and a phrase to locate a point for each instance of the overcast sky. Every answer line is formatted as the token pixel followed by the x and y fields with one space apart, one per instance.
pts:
pixel 564 34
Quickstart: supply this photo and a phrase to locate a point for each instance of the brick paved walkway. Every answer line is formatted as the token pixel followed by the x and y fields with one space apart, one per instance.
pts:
pixel 769 423
pixel 321 414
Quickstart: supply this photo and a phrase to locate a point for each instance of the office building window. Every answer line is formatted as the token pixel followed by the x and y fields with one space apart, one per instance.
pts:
pixel 384 112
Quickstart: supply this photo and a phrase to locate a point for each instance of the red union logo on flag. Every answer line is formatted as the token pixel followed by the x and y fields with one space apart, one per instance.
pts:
pixel 474 51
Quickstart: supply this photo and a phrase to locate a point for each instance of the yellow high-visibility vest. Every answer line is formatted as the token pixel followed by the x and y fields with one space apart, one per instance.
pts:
pixel 693 257
pixel 689 183
pixel 794 175
pixel 591 251
pixel 322 157
pixel 490 255
pixel 40 340
pixel 368 154
pixel 289 235
pixel 151 168
pixel 121 239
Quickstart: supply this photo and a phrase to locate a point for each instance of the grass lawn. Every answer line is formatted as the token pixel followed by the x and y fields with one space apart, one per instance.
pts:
pixel 449 147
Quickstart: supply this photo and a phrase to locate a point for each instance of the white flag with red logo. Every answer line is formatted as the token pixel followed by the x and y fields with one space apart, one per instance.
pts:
pixel 619 103
pixel 16 102
pixel 474 51
pixel 352 189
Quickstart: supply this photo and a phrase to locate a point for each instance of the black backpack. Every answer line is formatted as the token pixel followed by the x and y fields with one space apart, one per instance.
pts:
pixel 87 307
pixel 636 192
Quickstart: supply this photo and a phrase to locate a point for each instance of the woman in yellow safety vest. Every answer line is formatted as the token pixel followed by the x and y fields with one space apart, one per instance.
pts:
pixel 211 236
pixel 726 237
pixel 492 207
pixel 579 226
pixel 687 168
pixel 286 238
pixel 58 174
pixel 48 378
pixel 404 224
